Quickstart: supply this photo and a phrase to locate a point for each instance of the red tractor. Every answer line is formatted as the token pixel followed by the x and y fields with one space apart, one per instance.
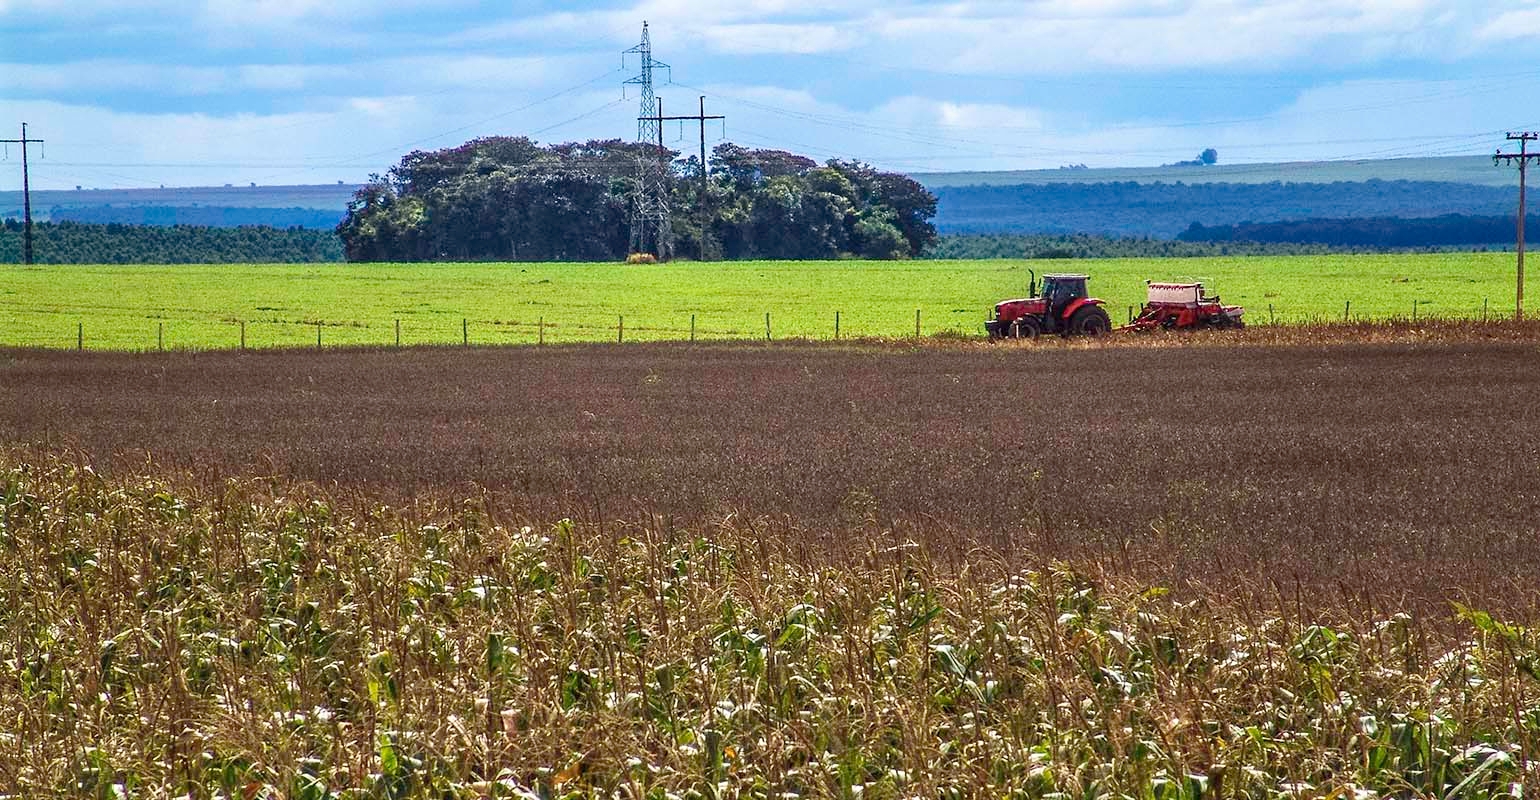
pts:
pixel 1062 308
pixel 1178 306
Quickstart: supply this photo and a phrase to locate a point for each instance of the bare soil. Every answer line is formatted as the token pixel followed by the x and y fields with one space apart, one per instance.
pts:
pixel 1402 470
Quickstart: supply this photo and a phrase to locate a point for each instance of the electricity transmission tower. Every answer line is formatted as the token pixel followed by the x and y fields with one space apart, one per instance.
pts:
pixel 649 213
pixel 1522 157
pixel 26 193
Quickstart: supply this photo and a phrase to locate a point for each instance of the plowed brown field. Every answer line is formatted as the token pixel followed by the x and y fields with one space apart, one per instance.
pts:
pixel 1394 470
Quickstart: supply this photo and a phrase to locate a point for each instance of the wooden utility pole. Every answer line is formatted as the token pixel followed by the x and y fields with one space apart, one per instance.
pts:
pixel 1522 157
pixel 704 184
pixel 26 193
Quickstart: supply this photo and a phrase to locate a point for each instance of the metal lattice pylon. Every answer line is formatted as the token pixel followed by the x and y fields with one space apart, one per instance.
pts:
pixel 651 229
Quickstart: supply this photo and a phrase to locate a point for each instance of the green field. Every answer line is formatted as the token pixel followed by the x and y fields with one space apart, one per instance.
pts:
pixel 199 307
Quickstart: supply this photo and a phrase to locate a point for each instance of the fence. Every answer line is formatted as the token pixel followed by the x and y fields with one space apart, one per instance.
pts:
pixel 466 332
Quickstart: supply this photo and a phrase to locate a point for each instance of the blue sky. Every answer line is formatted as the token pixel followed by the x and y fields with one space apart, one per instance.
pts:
pixel 199 92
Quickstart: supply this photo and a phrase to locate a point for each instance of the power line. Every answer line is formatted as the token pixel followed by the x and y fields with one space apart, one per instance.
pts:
pixel 26 192
pixel 1522 158
pixel 702 117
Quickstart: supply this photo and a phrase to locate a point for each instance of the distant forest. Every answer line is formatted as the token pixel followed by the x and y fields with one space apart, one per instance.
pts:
pixel 1092 245
pixel 1450 230
pixel 1164 210
pixel 80 243
pixel 510 199
pixel 212 216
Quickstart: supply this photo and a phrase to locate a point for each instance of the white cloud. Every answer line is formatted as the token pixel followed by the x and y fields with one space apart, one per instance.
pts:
pixel 112 75
pixel 1049 36
pixel 1058 37
pixel 353 114
pixel 749 39
pixel 405 74
pixel 1522 23
pixel 981 115
pixel 346 138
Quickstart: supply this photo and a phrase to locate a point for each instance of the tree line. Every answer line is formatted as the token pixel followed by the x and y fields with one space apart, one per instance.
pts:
pixel 1091 245
pixel 508 198
pixel 213 216
pixel 1449 230
pixel 1164 210
pixel 84 243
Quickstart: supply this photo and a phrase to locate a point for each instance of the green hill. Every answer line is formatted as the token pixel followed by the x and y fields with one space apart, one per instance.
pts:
pixel 1478 170
pixel 324 197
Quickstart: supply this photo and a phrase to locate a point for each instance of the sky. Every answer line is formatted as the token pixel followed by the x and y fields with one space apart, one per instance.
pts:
pixel 142 93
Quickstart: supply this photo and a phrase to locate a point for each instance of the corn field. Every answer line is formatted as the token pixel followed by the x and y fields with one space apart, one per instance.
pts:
pixel 254 638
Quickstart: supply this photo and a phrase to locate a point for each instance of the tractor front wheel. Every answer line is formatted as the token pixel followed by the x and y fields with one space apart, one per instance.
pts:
pixel 1025 328
pixel 1090 321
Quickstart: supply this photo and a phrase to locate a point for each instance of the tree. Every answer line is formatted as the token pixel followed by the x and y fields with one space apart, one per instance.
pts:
pixel 509 198
pixel 1209 157
pixel 879 238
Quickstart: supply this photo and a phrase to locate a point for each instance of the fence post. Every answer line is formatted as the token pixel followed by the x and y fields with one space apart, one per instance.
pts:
pixel 541 334
pixel 1130 314
pixel 160 336
pixel 1346 306
pixel 836 324
pixel 692 327
pixel 620 330
pixel 1483 309
pixel 1414 309
pixel 243 335
pixel 398 332
pixel 767 326
pixel 465 332
pixel 1270 313
pixel 916 323
pixel 318 336
pixel 80 336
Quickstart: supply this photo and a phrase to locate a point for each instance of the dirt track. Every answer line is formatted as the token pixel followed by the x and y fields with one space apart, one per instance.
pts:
pixel 1339 462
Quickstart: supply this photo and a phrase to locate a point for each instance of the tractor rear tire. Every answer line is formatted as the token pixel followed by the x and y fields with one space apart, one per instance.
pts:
pixel 1025 328
pixel 1090 321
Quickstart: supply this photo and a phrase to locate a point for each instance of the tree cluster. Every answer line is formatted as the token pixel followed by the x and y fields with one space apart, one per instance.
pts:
pixel 507 198
pixel 1207 158
pixel 82 243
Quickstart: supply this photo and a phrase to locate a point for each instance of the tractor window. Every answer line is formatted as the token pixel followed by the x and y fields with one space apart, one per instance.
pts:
pixel 1060 294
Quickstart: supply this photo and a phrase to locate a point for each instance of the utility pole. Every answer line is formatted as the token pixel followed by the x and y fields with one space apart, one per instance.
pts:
pixel 704 184
pixel 1522 157
pixel 649 214
pixel 26 194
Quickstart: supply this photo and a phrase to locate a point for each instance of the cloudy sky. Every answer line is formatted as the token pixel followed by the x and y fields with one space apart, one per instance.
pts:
pixel 133 93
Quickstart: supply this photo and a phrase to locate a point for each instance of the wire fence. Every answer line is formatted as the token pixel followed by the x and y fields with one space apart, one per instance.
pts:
pixel 465 331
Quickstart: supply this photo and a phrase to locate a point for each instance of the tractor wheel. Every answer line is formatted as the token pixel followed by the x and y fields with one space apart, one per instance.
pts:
pixel 1090 321
pixel 1026 328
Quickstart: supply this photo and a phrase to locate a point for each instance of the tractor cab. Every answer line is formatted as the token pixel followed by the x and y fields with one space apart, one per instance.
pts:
pixel 1062 290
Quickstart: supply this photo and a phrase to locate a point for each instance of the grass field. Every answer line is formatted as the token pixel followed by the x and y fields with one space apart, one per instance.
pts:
pixel 202 307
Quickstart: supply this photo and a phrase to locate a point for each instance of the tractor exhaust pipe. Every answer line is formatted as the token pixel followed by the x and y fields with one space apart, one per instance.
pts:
pixel 1032 284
